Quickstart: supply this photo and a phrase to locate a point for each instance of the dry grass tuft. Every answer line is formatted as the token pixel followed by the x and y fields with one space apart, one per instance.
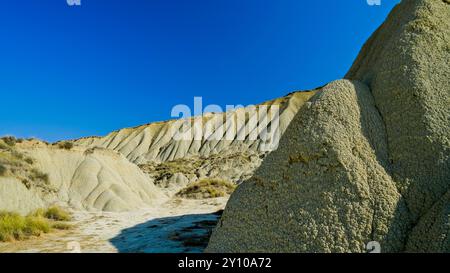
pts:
pixel 207 188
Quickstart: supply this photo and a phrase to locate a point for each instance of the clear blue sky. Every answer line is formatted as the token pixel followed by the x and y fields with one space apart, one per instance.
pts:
pixel 68 72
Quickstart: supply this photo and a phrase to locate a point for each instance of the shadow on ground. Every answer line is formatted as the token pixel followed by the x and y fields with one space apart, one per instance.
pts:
pixel 177 234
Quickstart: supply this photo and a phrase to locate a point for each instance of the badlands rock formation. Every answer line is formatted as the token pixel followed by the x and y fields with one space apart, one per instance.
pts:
pixel 155 142
pixel 221 145
pixel 119 172
pixel 86 179
pixel 362 159
pixel 367 159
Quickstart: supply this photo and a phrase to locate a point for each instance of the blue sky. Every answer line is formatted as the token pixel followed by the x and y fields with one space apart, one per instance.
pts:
pixel 68 72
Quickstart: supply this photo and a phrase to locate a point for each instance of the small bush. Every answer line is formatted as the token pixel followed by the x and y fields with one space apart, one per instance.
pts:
pixel 38 175
pixel 57 214
pixel 29 160
pixel 36 226
pixel 16 227
pixel 65 145
pixel 207 188
pixel 11 226
pixel 3 170
pixel 26 183
pixel 10 140
pixel 38 213
pixel 3 146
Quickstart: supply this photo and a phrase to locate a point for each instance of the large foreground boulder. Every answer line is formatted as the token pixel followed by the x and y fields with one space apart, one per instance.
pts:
pixel 366 160
pixel 406 65
pixel 325 189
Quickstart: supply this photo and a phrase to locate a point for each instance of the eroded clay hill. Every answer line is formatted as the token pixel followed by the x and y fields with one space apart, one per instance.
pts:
pixel 155 142
pixel 220 145
pixel 367 159
pixel 79 177
pixel 138 167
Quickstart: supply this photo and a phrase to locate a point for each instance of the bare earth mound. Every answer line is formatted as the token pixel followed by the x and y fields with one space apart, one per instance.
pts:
pixel 366 160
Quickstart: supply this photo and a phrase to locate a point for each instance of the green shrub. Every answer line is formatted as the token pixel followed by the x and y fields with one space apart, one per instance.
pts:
pixel 26 183
pixel 65 145
pixel 208 188
pixel 3 146
pixel 16 227
pixel 38 213
pixel 10 140
pixel 57 214
pixel 3 170
pixel 38 175
pixel 29 160
pixel 36 226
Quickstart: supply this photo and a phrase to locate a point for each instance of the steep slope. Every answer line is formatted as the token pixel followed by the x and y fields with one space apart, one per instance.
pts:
pixel 21 183
pixel 155 142
pixel 220 145
pixel 325 189
pixel 361 169
pixel 15 196
pixel 93 173
pixel 86 179
pixel 406 65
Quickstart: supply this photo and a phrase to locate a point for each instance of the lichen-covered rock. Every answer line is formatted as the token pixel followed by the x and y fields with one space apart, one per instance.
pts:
pixel 325 189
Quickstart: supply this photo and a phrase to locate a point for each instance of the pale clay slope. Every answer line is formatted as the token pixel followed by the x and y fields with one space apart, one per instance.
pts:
pixel 365 159
pixel 84 179
pixel 406 65
pixel 154 142
pixel 353 168
pixel 325 189
pixel 14 196
pixel 88 177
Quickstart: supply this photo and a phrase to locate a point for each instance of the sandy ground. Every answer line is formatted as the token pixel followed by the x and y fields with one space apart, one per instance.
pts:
pixel 179 225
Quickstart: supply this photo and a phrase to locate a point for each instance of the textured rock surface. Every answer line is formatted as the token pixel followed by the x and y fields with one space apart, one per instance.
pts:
pixel 92 179
pixel 406 65
pixel 14 196
pixel 155 142
pixel 233 156
pixel 338 179
pixel 324 189
pixel 95 175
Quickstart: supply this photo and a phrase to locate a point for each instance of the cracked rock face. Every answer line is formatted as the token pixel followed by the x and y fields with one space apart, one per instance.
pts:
pixel 364 160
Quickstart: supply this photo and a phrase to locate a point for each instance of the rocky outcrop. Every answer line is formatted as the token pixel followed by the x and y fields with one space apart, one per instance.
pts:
pixel 82 178
pixel 406 65
pixel 366 160
pixel 220 145
pixel 96 179
pixel 325 189
pixel 119 172
pixel 155 142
